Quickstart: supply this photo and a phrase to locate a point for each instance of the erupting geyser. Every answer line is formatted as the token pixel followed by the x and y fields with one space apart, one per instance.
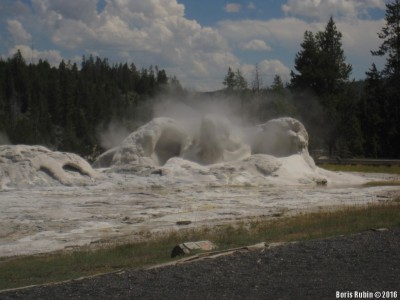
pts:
pixel 272 153
pixel 153 143
pixel 165 152
pixel 216 142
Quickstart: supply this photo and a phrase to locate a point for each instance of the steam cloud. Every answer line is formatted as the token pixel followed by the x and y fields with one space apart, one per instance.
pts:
pixel 114 134
pixel 191 111
pixel 4 140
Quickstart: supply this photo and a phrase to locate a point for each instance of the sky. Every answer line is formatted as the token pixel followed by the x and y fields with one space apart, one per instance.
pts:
pixel 196 41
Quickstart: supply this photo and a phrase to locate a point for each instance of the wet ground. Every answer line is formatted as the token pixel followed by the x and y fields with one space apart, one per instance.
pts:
pixel 47 219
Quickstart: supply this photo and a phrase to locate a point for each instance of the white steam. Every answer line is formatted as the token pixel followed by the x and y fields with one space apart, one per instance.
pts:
pixel 113 135
pixel 4 140
pixel 191 112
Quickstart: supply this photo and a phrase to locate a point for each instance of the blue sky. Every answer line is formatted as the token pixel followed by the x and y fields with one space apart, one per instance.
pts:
pixel 209 12
pixel 194 40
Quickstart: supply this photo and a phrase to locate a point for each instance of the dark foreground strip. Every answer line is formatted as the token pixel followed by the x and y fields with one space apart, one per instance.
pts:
pixel 360 264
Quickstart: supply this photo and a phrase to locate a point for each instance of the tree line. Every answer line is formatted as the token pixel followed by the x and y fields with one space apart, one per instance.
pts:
pixel 65 107
pixel 343 117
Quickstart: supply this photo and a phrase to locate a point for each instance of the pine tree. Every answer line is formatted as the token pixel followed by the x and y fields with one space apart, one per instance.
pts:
pixel 372 112
pixel 240 81
pixel 235 81
pixel 62 107
pixel 321 65
pixel 322 71
pixel 390 48
pixel 307 65
pixel 335 71
pixel 3 101
pixel 256 83
pixel 230 80
pixel 277 84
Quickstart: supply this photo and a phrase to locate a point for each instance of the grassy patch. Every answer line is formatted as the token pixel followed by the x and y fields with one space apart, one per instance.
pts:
pixel 383 183
pixel 23 271
pixel 395 169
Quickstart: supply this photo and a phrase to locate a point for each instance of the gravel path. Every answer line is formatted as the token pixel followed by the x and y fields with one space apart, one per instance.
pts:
pixel 368 262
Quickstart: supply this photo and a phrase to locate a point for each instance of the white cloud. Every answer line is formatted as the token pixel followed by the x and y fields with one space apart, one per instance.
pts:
pixel 233 7
pixel 13 8
pixel 273 67
pixel 77 10
pixel 72 34
pixel 256 45
pixel 251 5
pixel 359 36
pixel 145 32
pixel 52 56
pixel 287 32
pixel 323 9
pixel 17 31
pixel 267 70
pixel 149 32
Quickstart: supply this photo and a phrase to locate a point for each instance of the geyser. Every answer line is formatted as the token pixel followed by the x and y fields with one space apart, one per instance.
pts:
pixel 272 153
pixel 281 137
pixel 169 144
pixel 152 144
pixel 215 142
pixel 163 152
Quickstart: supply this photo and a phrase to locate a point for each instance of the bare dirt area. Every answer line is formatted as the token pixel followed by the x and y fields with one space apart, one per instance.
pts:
pixel 48 219
pixel 364 266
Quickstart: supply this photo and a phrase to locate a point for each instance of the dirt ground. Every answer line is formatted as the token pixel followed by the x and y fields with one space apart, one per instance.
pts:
pixel 360 266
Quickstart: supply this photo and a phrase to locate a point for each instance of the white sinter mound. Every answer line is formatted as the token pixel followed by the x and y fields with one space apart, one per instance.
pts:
pixel 27 166
pixel 274 153
pixel 152 144
pixel 162 152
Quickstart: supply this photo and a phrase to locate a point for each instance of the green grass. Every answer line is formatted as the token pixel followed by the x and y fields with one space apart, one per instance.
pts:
pixel 367 169
pixel 395 169
pixel 24 271
pixel 383 183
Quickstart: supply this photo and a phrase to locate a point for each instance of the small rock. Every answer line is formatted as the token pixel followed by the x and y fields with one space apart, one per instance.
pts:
pixel 187 247
pixel 181 223
pixel 380 229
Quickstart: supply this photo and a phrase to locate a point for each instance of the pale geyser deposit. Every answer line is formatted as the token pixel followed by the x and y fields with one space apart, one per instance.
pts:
pixel 164 152
pixel 218 153
pixel 160 175
pixel 24 166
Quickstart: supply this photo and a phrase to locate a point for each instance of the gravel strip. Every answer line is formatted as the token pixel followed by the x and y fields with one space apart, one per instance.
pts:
pixel 320 269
